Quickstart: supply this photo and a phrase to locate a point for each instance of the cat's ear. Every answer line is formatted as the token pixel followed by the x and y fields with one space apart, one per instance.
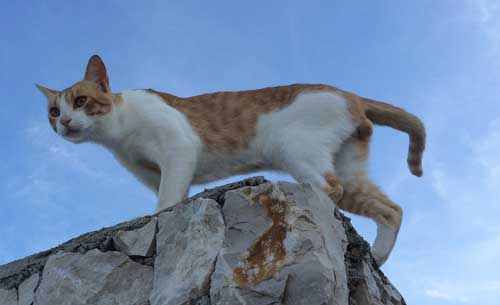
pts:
pixel 49 93
pixel 96 72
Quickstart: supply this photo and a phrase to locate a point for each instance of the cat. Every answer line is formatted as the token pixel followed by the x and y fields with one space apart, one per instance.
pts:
pixel 318 134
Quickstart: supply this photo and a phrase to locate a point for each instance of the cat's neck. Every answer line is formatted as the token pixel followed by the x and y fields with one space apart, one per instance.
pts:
pixel 112 128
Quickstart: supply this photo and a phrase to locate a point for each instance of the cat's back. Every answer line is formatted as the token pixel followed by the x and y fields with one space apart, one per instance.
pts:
pixel 227 120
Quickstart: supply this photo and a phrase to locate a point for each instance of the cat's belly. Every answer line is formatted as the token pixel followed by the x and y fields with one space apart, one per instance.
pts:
pixel 218 165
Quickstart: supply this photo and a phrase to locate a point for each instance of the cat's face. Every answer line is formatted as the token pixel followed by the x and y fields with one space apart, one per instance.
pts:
pixel 77 113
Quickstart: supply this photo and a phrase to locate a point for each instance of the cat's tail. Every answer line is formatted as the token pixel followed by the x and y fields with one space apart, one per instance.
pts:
pixel 388 115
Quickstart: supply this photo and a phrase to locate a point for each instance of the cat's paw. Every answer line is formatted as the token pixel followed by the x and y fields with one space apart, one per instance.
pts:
pixel 335 193
pixel 379 257
pixel 334 189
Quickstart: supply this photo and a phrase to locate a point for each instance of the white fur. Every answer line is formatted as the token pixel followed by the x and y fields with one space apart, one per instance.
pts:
pixel 384 242
pixel 144 128
pixel 302 138
pixel 214 166
pixel 79 121
pixel 349 162
pixel 350 168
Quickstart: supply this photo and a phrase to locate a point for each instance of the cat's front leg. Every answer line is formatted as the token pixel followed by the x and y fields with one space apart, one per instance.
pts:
pixel 176 176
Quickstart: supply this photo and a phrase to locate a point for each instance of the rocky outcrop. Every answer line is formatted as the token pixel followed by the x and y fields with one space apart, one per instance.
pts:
pixel 250 242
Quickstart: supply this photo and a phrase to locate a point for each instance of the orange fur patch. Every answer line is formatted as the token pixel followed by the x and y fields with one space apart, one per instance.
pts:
pixel 227 121
pixel 335 189
pixel 98 102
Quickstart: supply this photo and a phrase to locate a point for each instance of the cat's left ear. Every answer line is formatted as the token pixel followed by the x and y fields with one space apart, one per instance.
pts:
pixel 49 93
pixel 96 72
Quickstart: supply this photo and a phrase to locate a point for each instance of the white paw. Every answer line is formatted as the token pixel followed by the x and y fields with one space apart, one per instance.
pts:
pixel 384 242
pixel 379 258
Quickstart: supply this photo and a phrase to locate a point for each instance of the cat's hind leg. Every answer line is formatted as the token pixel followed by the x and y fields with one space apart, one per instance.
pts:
pixel 309 161
pixel 302 138
pixel 364 198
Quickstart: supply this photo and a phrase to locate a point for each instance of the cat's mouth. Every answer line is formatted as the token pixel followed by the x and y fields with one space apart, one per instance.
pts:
pixel 73 133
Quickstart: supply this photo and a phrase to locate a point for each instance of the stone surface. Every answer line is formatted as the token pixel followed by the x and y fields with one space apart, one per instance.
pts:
pixel 8 297
pixel 14 273
pixel 189 239
pixel 276 249
pixel 270 243
pixel 139 242
pixel 373 288
pixel 95 278
pixel 27 290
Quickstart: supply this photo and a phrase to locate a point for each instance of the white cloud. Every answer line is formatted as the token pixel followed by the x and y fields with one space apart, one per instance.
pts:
pixel 484 13
pixel 467 292
pixel 62 154
pixel 469 192
pixel 487 150
pixel 462 166
pixel 447 293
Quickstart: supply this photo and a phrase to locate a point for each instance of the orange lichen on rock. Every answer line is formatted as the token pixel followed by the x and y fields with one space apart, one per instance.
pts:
pixel 267 255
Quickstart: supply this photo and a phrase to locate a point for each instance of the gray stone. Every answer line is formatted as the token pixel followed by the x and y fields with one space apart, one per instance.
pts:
pixel 27 290
pixel 14 273
pixel 188 241
pixel 330 230
pixel 8 297
pixel 270 244
pixel 139 242
pixel 95 278
pixel 283 245
pixel 375 289
pixel 367 284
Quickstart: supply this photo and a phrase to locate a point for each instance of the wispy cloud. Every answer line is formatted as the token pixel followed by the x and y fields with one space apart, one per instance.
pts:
pixel 487 19
pixel 467 292
pixel 469 195
pixel 56 150
pixel 448 292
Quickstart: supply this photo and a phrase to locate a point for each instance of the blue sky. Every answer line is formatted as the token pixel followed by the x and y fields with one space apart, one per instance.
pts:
pixel 437 59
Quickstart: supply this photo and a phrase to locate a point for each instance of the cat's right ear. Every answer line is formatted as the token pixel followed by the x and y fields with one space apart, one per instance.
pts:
pixel 96 72
pixel 49 93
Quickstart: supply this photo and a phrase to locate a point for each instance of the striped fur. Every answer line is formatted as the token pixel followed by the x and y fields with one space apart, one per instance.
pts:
pixel 389 115
pixel 319 134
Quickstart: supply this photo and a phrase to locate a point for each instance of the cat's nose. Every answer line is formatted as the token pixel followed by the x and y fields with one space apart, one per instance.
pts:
pixel 65 120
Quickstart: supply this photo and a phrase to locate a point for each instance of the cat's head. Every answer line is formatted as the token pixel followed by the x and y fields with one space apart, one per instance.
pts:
pixel 77 113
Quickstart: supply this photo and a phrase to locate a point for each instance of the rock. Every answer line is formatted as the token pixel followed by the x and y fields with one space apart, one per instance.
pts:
pixel 189 239
pixel 8 297
pixel 250 242
pixel 283 245
pixel 27 290
pixel 367 284
pixel 93 278
pixel 139 242
pixel 372 288
pixel 14 273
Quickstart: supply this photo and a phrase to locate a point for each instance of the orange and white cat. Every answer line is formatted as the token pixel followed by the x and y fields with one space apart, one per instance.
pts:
pixel 317 133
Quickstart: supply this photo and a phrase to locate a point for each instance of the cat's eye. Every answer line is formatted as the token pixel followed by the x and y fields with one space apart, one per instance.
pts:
pixel 54 112
pixel 80 101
